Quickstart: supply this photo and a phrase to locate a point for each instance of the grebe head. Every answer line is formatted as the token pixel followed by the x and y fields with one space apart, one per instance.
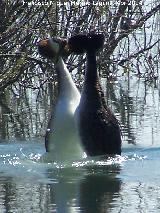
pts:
pixel 81 43
pixel 53 47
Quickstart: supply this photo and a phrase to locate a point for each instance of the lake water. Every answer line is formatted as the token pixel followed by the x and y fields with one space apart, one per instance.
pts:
pixel 125 184
pixel 129 183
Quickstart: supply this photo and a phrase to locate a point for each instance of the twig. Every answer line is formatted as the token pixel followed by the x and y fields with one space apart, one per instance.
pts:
pixel 138 53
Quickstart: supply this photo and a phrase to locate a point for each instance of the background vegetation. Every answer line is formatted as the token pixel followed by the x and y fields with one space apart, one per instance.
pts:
pixel 28 82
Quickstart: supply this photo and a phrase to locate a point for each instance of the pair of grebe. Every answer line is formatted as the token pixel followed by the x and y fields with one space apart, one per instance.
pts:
pixel 82 124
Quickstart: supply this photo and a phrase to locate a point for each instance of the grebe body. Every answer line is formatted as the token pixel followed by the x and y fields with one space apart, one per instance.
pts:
pixel 98 128
pixel 62 140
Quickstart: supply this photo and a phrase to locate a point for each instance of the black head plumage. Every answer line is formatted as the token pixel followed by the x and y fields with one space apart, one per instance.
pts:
pixel 81 43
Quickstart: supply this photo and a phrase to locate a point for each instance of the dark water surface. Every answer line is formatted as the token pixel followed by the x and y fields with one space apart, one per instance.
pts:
pixel 126 184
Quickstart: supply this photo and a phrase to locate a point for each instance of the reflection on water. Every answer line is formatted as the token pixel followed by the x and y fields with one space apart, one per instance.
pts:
pixel 83 192
pixel 122 184
pixel 101 190
pixel 137 106
pixel 89 186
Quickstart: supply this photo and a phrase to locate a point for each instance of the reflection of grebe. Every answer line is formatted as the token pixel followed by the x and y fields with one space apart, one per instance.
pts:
pixel 98 128
pixel 62 140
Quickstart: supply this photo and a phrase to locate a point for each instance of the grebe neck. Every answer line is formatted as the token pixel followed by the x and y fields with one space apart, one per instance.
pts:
pixel 62 139
pixel 66 86
pixel 91 75
pixel 91 90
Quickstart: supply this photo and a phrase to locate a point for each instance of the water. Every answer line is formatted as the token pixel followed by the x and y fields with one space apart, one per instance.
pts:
pixel 129 183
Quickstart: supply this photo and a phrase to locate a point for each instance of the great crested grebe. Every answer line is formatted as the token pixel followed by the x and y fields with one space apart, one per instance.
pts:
pixel 62 141
pixel 98 128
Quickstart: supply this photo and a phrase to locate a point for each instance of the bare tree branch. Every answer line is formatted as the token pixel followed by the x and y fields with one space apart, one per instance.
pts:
pixel 142 51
